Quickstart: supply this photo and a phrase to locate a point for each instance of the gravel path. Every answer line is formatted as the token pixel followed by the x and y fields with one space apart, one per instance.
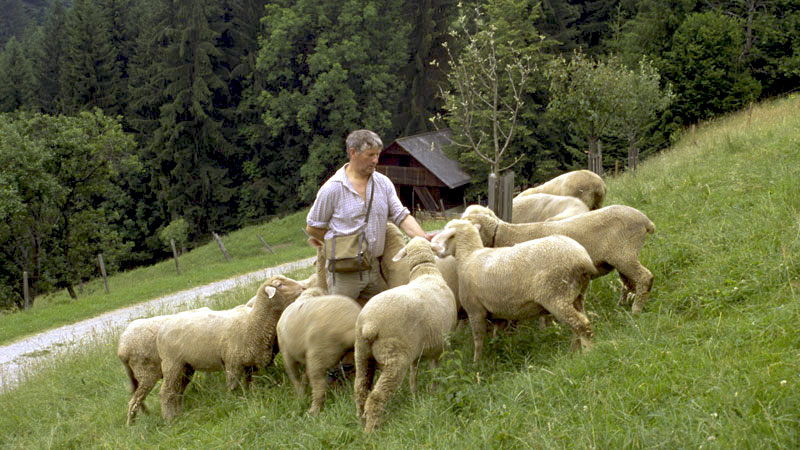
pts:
pixel 20 357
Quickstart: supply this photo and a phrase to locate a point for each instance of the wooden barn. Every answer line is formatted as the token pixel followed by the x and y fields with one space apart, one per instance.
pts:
pixel 424 177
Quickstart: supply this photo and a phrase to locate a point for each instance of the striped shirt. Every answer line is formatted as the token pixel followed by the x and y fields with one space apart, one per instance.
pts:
pixel 340 209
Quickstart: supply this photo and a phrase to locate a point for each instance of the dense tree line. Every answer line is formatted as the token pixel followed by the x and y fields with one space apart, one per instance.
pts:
pixel 222 113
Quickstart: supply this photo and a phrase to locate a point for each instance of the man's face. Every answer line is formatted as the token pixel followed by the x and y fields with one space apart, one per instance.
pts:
pixel 365 162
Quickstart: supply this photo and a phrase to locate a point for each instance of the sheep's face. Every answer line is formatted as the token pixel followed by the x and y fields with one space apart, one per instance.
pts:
pixel 282 289
pixel 416 252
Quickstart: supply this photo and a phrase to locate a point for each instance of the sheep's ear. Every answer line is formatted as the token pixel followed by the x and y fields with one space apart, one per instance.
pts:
pixel 270 290
pixel 437 248
pixel 399 254
pixel 443 236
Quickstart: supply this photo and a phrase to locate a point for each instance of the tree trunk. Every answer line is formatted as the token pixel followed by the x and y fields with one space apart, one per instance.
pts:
pixel 71 289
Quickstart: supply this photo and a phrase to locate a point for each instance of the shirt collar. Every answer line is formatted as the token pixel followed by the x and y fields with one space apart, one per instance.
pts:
pixel 341 177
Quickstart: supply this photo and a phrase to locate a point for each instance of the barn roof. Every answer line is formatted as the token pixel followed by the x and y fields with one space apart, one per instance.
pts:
pixel 427 149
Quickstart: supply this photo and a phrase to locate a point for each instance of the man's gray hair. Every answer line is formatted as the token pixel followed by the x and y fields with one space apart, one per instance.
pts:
pixel 361 140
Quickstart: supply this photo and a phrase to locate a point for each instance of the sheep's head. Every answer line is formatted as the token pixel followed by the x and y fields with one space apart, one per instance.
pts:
pixel 417 251
pixel 477 209
pixel 486 225
pixel 444 243
pixel 281 290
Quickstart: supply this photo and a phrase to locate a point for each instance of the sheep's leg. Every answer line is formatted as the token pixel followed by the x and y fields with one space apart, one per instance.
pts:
pixel 477 320
pixel 643 285
pixel 388 382
pixel 434 364
pixel 564 310
pixel 175 381
pixel 627 290
pixel 412 376
pixel 292 367
pixel 234 377
pixel 637 280
pixel 318 362
pixel 145 383
pixel 365 372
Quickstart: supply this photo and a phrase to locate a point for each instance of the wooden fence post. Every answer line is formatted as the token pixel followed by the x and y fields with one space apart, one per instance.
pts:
pixel 175 254
pixel 103 270
pixel 501 189
pixel 267 245
pixel 222 247
pixel 26 290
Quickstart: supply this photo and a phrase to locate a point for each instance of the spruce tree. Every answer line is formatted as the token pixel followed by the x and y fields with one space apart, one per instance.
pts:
pixel 189 151
pixel 47 59
pixel 89 71
pixel 16 87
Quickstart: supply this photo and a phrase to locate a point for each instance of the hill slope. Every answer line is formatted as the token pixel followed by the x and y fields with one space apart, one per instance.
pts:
pixel 714 360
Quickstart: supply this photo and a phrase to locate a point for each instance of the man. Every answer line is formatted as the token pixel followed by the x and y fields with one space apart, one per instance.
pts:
pixel 340 209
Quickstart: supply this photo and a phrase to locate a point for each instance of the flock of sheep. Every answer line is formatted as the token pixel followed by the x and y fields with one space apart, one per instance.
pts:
pixel 479 266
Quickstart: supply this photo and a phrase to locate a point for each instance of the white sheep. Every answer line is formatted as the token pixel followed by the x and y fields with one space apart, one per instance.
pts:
pixel 536 208
pixel 397 328
pixel 139 355
pixel 317 330
pixel 396 272
pixel 238 341
pixel 583 184
pixel 514 283
pixel 540 207
pixel 613 236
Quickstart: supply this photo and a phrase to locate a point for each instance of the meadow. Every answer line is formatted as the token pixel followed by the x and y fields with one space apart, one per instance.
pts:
pixel 712 362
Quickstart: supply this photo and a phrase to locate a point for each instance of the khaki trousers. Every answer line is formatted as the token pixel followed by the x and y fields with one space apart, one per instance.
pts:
pixel 357 285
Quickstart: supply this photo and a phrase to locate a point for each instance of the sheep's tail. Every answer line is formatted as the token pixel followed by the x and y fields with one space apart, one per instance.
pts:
pixel 650 226
pixel 369 332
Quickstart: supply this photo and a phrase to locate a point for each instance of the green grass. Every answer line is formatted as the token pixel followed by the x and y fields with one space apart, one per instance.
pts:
pixel 712 362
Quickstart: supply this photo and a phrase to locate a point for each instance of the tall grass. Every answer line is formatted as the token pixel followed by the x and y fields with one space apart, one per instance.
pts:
pixel 712 362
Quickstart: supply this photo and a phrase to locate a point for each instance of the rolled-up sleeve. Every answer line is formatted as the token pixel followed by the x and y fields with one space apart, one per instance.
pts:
pixel 321 211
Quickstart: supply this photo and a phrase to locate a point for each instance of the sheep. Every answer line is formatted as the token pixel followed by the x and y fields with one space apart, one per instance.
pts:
pixel 317 330
pixel 514 283
pixel 540 207
pixel 238 341
pixel 613 236
pixel 583 184
pixel 396 273
pixel 397 328
pixel 536 208
pixel 139 355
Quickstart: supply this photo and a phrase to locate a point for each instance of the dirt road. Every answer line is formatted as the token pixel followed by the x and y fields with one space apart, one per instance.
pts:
pixel 23 356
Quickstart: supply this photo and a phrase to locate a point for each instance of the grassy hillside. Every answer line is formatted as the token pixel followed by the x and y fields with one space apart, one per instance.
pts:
pixel 713 362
